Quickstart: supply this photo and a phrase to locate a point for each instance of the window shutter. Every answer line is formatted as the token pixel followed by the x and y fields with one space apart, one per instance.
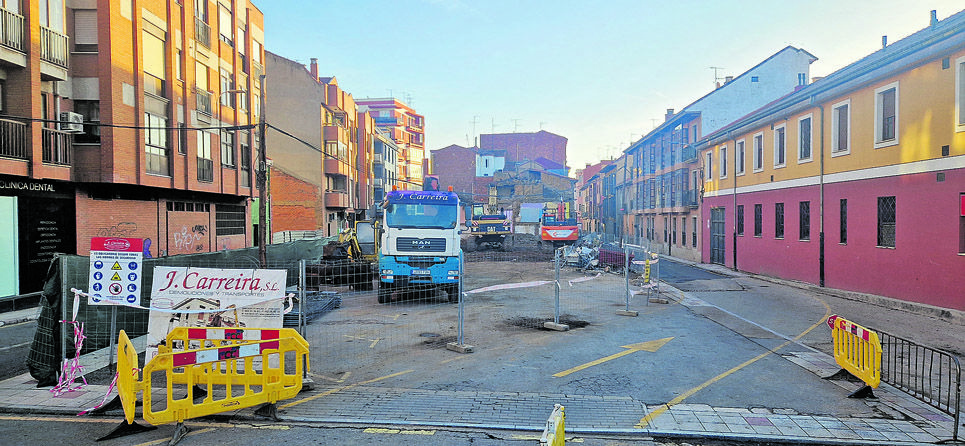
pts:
pixel 85 27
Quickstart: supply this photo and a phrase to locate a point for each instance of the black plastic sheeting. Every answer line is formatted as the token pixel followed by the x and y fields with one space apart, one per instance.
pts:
pixel 45 356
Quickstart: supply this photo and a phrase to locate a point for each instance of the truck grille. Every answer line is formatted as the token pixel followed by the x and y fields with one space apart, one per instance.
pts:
pixel 412 244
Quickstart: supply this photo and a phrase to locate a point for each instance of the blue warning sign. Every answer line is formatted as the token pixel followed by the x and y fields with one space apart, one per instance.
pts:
pixel 98 264
pixel 98 275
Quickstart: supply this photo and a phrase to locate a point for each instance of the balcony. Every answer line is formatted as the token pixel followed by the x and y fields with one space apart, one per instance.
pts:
pixel 57 146
pixel 336 199
pixel 691 198
pixel 688 154
pixel 256 71
pixel 13 139
pixel 336 167
pixel 202 32
pixel 53 47
pixel 203 99
pixel 11 30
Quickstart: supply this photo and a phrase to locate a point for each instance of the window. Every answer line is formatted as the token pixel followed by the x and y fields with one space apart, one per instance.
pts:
pixel 805 139
pixel 723 162
pixel 227 84
pixel 205 164
pixel 178 68
pixel 156 143
pixel 780 145
pixel 778 220
pixel 229 219
pixel 225 24
pixel 90 110
pixel 227 149
pixel 244 150
pixel 2 97
pixel 694 232
pixel 758 220
pixel 201 10
pixel 886 115
pixel 840 128
pixel 843 232
pixel 960 93
pixel 804 220
pixel 683 231
pixel 740 219
pixel 755 79
pixel 673 232
pixel 709 166
pixel 961 224
pixel 85 30
pixel 759 152
pixel 665 224
pixel 886 222
pixel 740 157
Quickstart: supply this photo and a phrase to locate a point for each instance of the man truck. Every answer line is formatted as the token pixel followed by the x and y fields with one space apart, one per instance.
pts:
pixel 419 249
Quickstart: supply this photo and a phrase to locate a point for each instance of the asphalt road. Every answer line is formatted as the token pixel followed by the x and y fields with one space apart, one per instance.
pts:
pixel 23 430
pixel 14 345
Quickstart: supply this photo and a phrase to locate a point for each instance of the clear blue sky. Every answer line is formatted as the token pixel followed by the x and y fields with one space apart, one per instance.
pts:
pixel 596 72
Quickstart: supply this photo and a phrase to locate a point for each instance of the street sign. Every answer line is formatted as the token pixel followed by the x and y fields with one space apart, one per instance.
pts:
pixel 115 270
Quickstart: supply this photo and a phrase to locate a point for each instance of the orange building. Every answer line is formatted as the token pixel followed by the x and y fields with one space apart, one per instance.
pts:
pixel 407 129
pixel 153 139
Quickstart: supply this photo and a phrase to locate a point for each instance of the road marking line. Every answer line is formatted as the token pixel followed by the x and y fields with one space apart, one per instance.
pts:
pixel 645 421
pixel 650 346
pixel 14 346
pixel 339 389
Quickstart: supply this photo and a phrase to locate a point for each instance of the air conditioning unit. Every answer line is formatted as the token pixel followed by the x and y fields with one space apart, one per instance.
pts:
pixel 71 122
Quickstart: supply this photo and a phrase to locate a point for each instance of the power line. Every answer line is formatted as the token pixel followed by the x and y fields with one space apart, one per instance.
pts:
pixel 128 126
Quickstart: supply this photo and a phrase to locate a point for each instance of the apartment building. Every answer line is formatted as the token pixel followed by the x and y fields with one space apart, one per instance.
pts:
pixel 856 181
pixel 588 196
pixel 152 141
pixel 657 184
pixel 385 159
pixel 407 128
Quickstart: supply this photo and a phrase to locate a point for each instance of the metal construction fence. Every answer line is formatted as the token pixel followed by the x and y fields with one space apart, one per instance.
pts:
pixel 351 329
pixel 930 375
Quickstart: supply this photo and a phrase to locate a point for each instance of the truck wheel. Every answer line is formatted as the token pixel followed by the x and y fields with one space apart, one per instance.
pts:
pixel 385 293
pixel 452 293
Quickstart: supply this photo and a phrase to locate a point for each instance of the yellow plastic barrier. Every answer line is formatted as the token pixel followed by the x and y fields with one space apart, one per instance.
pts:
pixel 856 349
pixel 226 372
pixel 555 432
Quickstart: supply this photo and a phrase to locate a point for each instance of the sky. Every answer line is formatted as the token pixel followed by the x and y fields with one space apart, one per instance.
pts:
pixel 600 73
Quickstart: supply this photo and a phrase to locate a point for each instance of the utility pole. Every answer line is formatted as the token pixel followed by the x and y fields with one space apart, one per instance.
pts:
pixel 262 182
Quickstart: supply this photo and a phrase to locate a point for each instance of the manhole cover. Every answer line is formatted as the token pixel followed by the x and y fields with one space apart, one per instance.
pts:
pixel 429 335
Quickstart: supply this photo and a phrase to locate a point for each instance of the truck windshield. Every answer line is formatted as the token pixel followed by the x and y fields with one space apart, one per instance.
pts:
pixel 425 216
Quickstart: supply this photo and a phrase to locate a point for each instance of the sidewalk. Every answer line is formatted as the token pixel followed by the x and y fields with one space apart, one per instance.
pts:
pixel 902 419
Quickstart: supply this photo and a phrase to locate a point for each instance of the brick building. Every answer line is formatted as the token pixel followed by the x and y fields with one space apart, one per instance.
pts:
pixel 407 128
pixel 526 146
pixel 164 152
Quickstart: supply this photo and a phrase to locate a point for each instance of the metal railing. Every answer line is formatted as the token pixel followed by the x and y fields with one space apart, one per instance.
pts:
pixel 53 47
pixel 930 375
pixel 204 101
pixel 11 30
pixel 57 146
pixel 13 139
pixel 202 32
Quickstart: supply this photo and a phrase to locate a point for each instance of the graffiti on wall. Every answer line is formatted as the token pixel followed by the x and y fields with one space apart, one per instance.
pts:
pixel 123 229
pixel 190 240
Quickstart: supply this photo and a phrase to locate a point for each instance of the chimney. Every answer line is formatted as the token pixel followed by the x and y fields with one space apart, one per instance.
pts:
pixel 884 41
pixel 728 79
pixel 934 17
pixel 668 115
pixel 314 69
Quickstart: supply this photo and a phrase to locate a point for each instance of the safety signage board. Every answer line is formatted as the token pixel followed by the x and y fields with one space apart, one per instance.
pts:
pixel 115 270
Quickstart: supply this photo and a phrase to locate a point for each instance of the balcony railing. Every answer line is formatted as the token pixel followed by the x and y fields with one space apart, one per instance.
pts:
pixel 53 47
pixel 691 198
pixel 688 153
pixel 57 146
pixel 256 71
pixel 205 170
pixel 13 139
pixel 202 32
pixel 204 101
pixel 11 30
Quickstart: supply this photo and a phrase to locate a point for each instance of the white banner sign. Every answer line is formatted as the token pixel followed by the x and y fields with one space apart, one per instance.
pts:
pixel 210 297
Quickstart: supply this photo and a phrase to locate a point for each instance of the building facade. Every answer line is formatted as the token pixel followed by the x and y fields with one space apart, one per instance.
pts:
pixel 519 147
pixel 407 129
pixel 154 139
pixel 855 182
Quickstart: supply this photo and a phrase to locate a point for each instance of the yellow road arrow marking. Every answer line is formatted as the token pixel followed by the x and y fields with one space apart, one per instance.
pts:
pixel 649 346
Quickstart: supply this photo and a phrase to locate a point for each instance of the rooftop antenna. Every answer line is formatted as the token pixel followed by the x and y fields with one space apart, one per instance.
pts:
pixel 475 119
pixel 493 128
pixel 653 123
pixel 541 124
pixel 716 78
pixel 515 124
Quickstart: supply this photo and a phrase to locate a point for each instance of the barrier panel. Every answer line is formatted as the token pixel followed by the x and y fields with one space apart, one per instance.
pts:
pixel 555 432
pixel 858 351
pixel 225 373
